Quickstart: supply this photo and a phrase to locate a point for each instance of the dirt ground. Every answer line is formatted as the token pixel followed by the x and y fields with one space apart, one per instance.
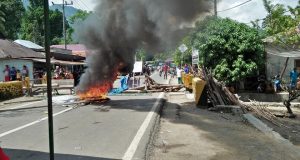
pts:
pixel 290 128
pixel 190 133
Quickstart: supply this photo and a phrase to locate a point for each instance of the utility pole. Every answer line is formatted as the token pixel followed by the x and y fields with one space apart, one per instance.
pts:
pixel 215 8
pixel 64 3
pixel 49 87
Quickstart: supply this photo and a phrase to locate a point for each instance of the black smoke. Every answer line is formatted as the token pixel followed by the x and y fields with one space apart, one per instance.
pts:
pixel 119 27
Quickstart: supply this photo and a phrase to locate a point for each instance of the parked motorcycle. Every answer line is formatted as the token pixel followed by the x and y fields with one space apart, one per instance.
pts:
pixel 277 83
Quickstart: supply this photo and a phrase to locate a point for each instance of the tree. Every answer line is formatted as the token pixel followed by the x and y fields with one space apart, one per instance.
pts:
pixel 76 19
pixel 79 16
pixel 32 26
pixel 13 11
pixel 280 25
pixel 185 57
pixel 232 50
pixel 140 55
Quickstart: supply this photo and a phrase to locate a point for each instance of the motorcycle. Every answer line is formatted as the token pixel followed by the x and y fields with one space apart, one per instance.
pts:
pixel 277 83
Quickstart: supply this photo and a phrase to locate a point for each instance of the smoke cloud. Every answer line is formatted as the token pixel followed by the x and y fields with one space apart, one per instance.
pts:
pixel 119 27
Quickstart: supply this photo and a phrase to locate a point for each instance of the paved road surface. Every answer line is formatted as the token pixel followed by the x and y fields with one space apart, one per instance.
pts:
pixel 83 132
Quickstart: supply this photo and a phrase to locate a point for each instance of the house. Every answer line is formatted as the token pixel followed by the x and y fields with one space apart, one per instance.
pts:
pixel 16 55
pixel 277 57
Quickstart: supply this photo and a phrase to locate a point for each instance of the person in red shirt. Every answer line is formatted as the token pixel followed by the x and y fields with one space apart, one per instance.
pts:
pixel 165 70
pixel 6 72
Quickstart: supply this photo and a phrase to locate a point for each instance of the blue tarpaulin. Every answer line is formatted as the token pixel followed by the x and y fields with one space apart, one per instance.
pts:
pixel 122 88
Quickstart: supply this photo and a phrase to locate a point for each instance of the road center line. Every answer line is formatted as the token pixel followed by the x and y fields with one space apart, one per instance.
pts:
pixel 32 123
pixel 136 140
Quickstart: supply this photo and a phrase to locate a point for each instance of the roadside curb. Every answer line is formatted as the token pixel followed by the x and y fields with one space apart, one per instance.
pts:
pixel 155 127
pixel 258 124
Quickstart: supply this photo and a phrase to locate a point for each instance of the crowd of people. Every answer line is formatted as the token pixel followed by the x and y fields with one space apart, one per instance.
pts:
pixel 177 71
pixel 11 73
pixel 15 74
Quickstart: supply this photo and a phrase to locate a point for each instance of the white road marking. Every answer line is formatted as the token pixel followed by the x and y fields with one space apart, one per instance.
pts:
pixel 136 140
pixel 32 123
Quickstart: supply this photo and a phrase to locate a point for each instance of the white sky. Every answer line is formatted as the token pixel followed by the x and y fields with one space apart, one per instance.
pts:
pixel 251 11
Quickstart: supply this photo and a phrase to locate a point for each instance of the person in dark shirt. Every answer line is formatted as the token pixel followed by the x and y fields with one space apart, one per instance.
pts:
pixel 13 74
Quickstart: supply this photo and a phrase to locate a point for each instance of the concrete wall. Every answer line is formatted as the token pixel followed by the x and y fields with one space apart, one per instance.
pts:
pixel 275 65
pixel 18 64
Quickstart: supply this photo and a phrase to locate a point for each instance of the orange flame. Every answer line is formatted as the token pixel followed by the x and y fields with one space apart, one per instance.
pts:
pixel 98 92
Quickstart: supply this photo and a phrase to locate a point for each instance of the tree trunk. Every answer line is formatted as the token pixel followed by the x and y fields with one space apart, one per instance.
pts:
pixel 285 65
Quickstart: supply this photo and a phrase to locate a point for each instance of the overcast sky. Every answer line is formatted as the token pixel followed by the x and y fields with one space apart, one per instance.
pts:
pixel 251 11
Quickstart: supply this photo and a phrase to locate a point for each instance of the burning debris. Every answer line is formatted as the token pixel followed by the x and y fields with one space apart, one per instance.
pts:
pixel 119 27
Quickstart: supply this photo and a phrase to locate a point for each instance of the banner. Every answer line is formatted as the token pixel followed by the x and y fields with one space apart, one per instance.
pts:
pixel 195 56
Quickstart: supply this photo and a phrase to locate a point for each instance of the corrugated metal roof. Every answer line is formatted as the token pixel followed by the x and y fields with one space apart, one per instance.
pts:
pixel 282 51
pixel 77 49
pixel 55 61
pixel 10 49
pixel 29 44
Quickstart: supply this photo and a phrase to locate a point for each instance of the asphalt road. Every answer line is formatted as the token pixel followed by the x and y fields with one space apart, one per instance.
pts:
pixel 82 132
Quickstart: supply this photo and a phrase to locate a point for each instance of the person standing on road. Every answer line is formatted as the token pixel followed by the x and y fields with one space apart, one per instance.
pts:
pixel 6 72
pixel 178 73
pixel 186 69
pixel 165 70
pixel 294 76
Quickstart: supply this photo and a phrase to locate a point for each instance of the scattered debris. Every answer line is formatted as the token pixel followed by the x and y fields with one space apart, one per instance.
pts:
pixel 103 108
pixel 61 128
pixel 152 86
pixel 218 94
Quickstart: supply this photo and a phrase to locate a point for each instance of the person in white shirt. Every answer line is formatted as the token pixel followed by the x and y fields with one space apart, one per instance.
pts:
pixel 178 72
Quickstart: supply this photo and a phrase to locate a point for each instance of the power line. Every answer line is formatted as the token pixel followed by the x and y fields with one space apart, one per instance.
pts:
pixel 79 4
pixel 235 6
pixel 85 5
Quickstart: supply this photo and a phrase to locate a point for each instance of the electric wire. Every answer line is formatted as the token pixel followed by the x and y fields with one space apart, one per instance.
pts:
pixel 235 6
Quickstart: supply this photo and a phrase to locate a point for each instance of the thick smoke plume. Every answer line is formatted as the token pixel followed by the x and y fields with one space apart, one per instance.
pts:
pixel 119 27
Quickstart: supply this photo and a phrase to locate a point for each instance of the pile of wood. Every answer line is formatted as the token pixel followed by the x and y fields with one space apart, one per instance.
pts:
pixel 218 94
pixel 215 90
pixel 152 86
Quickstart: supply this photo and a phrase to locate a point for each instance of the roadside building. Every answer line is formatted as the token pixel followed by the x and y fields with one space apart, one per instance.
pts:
pixel 277 57
pixel 17 56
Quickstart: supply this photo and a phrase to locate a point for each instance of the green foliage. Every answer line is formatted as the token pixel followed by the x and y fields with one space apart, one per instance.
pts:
pixel 77 18
pixel 10 17
pixel 32 26
pixel 281 25
pixel 233 50
pixel 140 55
pixel 185 57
